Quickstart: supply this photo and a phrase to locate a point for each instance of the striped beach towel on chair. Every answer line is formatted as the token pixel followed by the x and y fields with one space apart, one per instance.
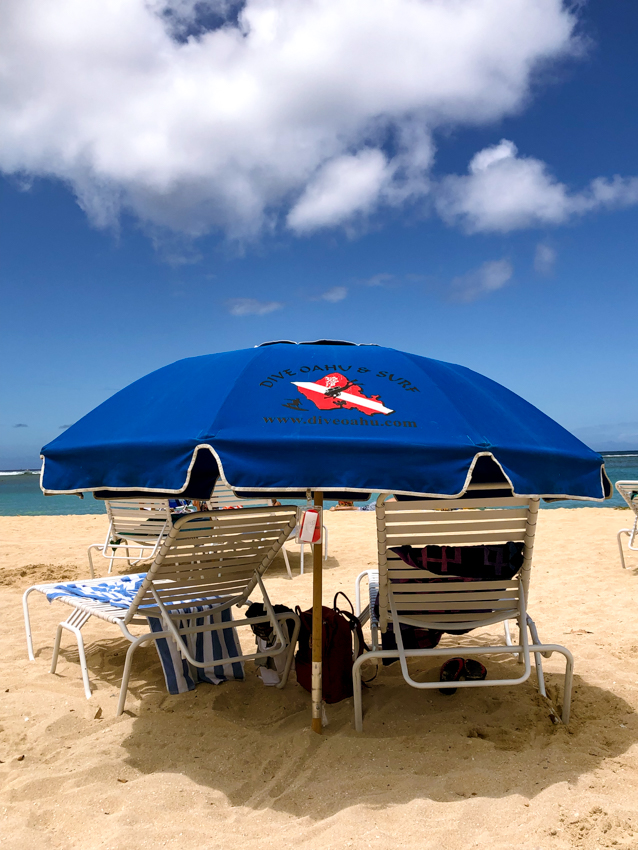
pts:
pixel 218 647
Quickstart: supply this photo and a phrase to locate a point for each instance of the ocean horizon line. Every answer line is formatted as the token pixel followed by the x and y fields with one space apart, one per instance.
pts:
pixel 604 453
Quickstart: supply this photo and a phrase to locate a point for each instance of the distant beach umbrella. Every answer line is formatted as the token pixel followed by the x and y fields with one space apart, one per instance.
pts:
pixel 324 416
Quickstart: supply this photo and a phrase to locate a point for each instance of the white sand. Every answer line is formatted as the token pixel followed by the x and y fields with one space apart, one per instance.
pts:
pixel 237 766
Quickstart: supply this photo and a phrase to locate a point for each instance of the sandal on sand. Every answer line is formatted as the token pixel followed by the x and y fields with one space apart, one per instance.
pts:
pixel 451 671
pixel 474 670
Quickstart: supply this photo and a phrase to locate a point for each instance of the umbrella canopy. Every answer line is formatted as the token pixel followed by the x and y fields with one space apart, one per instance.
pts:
pixel 329 416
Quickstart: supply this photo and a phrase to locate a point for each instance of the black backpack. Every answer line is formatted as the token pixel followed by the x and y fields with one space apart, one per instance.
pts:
pixel 264 630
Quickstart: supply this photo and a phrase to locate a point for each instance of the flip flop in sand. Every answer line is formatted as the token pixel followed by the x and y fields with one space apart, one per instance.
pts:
pixel 474 670
pixel 451 671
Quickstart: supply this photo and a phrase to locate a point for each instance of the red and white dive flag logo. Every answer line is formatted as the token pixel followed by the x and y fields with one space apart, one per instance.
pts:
pixel 336 392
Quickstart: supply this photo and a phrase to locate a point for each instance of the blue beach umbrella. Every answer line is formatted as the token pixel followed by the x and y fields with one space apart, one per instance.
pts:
pixel 329 417
pixel 323 416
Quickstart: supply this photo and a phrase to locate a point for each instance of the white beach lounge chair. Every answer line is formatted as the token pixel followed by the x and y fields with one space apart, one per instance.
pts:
pixel 211 559
pixel 137 528
pixel 429 601
pixel 224 497
pixel 629 491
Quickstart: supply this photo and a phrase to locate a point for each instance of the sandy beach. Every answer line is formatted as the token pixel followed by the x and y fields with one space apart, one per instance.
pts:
pixel 237 766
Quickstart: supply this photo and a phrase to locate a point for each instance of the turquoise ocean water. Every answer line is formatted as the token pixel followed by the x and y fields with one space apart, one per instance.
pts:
pixel 20 493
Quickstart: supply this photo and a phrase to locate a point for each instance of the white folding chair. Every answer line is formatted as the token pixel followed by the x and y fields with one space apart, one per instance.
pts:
pixel 223 497
pixel 430 601
pixel 629 491
pixel 209 559
pixel 137 528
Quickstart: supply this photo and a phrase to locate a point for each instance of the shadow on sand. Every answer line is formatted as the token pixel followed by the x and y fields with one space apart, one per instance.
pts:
pixel 253 743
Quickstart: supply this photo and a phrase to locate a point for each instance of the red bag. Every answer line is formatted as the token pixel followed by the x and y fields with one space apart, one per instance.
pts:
pixel 338 656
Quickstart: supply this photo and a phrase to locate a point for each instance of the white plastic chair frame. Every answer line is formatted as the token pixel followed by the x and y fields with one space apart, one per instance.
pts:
pixel 224 497
pixel 626 489
pixel 369 614
pixel 137 527
pixel 209 558
pixel 449 605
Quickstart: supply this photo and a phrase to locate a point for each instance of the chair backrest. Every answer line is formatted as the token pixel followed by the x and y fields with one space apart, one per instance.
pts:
pixel 445 522
pixel 142 520
pixel 214 554
pixel 629 491
pixel 224 497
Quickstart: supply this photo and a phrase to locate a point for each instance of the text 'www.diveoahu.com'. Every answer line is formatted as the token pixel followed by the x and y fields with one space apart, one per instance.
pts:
pixel 323 420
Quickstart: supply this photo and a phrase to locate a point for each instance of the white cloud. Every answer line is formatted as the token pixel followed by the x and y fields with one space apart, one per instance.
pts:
pixel 544 258
pixel 481 161
pixel 281 111
pixel 381 279
pixel 504 191
pixel 345 186
pixel 252 307
pixel 487 278
pixel 334 295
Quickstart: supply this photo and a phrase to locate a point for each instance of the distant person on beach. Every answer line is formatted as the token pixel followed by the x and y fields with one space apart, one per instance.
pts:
pixel 343 505
pixel 348 505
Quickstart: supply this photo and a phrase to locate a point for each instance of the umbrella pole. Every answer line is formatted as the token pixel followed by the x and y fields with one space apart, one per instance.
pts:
pixel 317 623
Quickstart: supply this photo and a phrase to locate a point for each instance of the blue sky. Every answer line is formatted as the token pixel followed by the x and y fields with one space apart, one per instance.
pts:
pixel 388 239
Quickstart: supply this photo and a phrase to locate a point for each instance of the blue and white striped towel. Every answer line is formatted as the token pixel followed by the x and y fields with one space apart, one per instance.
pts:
pixel 118 591
pixel 217 647
pixel 214 647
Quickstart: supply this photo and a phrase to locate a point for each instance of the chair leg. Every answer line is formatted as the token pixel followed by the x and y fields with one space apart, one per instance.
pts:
pixel 540 676
pixel 287 562
pixel 357 593
pixel 403 661
pixel 301 560
pixel 620 549
pixel 548 649
pixel 291 652
pixel 325 543
pixel 56 648
pixel 508 640
pixel 546 652
pixel 27 622
pixel 90 556
pixel 538 663
pixel 73 623
pixel 508 634
pixel 356 688
pixel 126 675
pixel 567 690
pixel 83 665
